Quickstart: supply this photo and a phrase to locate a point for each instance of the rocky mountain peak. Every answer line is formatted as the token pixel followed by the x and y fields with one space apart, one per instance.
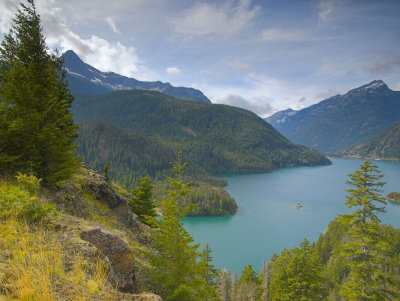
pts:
pixel 374 86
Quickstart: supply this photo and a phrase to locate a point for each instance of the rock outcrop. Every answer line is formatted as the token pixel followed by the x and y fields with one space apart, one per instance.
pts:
pixel 104 193
pixel 119 255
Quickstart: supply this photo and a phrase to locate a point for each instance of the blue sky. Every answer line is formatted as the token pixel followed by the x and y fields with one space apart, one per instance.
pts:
pixel 260 55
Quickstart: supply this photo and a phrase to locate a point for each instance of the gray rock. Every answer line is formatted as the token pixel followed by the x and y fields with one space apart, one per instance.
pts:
pixel 104 192
pixel 133 219
pixel 120 256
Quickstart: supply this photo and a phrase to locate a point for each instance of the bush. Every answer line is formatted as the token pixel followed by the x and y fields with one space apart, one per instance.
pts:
pixel 21 200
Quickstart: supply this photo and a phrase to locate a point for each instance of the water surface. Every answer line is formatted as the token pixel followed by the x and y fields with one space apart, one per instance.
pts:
pixel 268 220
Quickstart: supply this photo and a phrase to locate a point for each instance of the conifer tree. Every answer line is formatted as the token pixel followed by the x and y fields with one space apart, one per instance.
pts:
pixel 249 285
pixel 365 249
pixel 178 271
pixel 296 275
pixel 141 200
pixel 37 132
pixel 105 172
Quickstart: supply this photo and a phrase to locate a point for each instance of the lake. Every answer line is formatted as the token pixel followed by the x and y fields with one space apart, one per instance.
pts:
pixel 268 220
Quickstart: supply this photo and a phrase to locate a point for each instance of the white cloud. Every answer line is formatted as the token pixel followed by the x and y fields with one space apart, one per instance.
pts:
pixel 96 51
pixel 114 28
pixel 239 67
pixel 396 87
pixel 382 62
pixel 7 11
pixel 275 34
pixel 325 9
pixel 173 70
pixel 259 105
pixel 206 19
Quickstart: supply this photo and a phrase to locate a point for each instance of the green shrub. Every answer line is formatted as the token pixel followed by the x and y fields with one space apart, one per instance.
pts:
pixel 21 200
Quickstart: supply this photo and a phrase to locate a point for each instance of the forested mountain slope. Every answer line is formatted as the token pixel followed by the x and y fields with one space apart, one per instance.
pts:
pixel 383 146
pixel 219 138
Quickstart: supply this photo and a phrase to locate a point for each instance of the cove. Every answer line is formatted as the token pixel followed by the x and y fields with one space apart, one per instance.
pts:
pixel 268 220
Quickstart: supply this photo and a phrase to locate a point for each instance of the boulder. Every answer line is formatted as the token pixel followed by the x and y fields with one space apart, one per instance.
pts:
pixel 120 256
pixel 105 193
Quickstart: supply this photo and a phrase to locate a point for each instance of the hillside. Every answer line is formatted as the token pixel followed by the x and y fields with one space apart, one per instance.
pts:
pixel 132 156
pixel 91 249
pixel 342 121
pixel 219 138
pixel 85 79
pixel 385 146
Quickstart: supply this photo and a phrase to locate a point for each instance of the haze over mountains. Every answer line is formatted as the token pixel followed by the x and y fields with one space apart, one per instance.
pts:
pixel 342 121
pixel 85 79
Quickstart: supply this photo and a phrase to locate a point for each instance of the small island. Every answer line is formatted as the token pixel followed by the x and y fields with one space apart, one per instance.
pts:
pixel 394 197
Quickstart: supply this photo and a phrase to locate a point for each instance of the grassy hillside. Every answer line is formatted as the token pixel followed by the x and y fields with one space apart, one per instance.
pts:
pixel 219 138
pixel 384 146
pixel 47 257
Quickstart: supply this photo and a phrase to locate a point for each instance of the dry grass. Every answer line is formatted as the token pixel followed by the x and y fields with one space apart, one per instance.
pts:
pixel 32 267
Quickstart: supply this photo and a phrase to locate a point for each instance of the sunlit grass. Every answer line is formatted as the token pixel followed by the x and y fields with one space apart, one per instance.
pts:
pixel 32 267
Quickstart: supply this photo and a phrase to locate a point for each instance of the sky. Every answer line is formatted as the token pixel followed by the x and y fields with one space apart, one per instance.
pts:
pixel 263 56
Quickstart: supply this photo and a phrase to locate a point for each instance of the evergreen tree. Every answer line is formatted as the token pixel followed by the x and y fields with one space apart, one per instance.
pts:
pixel 249 286
pixel 37 132
pixel 296 275
pixel 105 171
pixel 209 270
pixel 141 200
pixel 178 271
pixel 365 250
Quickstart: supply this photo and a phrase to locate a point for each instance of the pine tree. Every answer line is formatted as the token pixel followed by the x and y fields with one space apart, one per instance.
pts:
pixel 296 275
pixel 249 284
pixel 37 132
pixel 141 200
pixel 105 171
pixel 365 249
pixel 178 271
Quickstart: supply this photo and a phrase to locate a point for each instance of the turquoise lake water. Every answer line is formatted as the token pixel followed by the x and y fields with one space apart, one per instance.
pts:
pixel 268 221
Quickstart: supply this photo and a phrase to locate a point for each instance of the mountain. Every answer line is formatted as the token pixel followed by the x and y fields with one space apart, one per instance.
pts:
pixel 384 146
pixel 85 79
pixel 342 121
pixel 219 138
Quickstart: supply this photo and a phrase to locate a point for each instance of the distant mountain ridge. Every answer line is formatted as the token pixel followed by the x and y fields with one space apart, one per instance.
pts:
pixel 85 79
pixel 342 121
pixel 385 146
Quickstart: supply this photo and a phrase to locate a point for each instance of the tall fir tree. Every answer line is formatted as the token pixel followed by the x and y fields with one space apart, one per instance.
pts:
pixel 365 250
pixel 296 275
pixel 178 270
pixel 37 132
